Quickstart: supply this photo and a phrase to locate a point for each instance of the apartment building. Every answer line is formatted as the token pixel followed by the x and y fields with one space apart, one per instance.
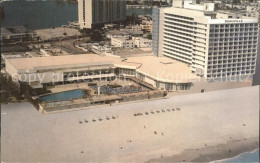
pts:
pixel 215 44
pixel 134 42
pixel 132 28
pixel 141 42
pixel 122 42
pixel 147 25
pixel 117 33
pixel 97 12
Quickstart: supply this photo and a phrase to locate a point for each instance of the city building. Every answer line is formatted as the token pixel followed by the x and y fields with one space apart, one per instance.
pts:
pixel 253 10
pixel 140 42
pixel 102 50
pixel 117 33
pixel 134 42
pixel 18 33
pixel 216 44
pixel 121 33
pixel 147 25
pixel 97 12
pixel 39 72
pixel 132 28
pixel 122 42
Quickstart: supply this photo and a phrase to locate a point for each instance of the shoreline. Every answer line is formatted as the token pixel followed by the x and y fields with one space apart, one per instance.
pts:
pixel 231 149
pixel 226 159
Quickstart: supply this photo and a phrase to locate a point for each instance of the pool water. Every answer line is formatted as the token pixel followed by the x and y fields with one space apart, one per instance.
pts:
pixel 64 96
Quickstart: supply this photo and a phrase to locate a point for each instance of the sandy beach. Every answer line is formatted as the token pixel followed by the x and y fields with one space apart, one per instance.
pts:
pixel 212 153
pixel 221 120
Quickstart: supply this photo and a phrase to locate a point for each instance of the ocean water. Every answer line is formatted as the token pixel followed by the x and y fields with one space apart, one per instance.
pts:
pixel 248 157
pixel 39 14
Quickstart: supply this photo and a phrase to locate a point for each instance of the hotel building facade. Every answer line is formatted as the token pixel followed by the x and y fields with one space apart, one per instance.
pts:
pixel 94 12
pixel 214 44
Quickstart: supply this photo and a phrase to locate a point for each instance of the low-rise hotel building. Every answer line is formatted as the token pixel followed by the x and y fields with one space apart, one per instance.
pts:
pixel 216 44
pixel 162 73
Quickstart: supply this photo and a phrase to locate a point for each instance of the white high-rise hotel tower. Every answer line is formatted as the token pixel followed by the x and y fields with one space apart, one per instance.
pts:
pixel 94 12
pixel 215 44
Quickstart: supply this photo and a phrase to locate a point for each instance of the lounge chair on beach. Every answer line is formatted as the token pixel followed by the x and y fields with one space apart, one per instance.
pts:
pixel 93 120
pixel 152 112
pixel 158 111
pixel 80 122
pixel 163 110
pixel 146 113
pixel 86 121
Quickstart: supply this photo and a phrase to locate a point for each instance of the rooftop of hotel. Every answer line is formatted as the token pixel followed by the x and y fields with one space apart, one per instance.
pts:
pixel 208 8
pixel 164 69
pixel 51 61
pixel 159 68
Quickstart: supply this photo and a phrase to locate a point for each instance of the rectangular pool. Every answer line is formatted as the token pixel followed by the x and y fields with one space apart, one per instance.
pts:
pixel 64 96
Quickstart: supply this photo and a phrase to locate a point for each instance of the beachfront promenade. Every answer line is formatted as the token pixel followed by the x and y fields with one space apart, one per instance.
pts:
pixel 204 120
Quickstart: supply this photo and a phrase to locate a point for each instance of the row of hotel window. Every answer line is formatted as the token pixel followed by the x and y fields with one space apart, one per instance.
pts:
pixel 180 21
pixel 232 35
pixel 232 57
pixel 231 64
pixel 233 68
pixel 233 39
pixel 249 47
pixel 234 25
pixel 244 30
pixel 178 16
pixel 181 37
pixel 180 25
pixel 232 43
pixel 198 25
pixel 229 74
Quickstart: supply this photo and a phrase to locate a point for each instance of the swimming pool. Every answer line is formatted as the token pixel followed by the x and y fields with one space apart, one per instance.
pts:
pixel 64 96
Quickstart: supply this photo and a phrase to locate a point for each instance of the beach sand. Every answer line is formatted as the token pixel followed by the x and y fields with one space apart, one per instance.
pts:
pixel 206 121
